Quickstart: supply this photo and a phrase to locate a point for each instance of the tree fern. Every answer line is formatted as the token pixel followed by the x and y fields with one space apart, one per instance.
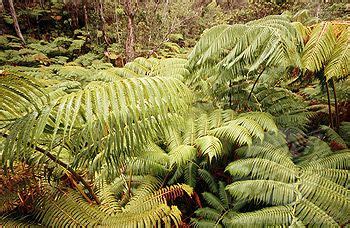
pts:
pixel 312 192
pixel 96 110
pixel 251 45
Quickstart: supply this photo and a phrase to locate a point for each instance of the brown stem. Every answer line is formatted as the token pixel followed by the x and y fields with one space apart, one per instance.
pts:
pixel 78 187
pixel 64 165
pixel 329 106
pixel 230 94
pixel 256 81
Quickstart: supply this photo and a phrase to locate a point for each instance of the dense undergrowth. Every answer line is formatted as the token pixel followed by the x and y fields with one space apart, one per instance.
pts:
pixel 251 128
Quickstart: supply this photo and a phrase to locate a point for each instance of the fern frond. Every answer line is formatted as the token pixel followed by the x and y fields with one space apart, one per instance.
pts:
pixel 105 116
pixel 156 216
pixel 208 213
pixel 68 209
pixel 338 63
pixel 340 160
pixel 182 154
pixel 268 191
pixel 311 215
pixel 209 146
pixel 208 179
pixel 319 47
pixel 259 168
pixel 213 201
pixel 272 216
pixel 224 197
pixel 161 196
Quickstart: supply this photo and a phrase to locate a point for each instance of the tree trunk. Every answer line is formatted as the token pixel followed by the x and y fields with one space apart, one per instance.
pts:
pixel 103 22
pixel 130 40
pixel 10 7
pixel 85 16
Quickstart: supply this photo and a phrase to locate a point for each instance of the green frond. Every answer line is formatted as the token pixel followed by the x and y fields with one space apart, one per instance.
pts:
pixel 190 133
pixel 182 154
pixel 20 95
pixel 108 197
pixel 209 146
pixel 157 216
pixel 338 63
pixel 107 116
pixel 235 134
pixel 241 130
pixel 203 223
pixel 327 195
pixel 235 49
pixel 203 125
pixel 190 174
pixel 214 202
pixel 263 119
pixel 224 197
pixel 75 73
pixel 319 47
pixel 219 117
pixel 287 108
pixel 311 215
pixel 339 176
pixel 259 168
pixel 208 213
pixel 68 209
pixel 268 191
pixel 145 203
pixel 173 138
pixel 208 179
pixel 340 160
pixel 271 216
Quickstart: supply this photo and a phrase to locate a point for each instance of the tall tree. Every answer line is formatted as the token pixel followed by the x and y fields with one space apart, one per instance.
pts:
pixel 103 22
pixel 8 5
pixel 130 40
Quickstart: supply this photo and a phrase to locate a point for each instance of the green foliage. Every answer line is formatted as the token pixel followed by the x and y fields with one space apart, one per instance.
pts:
pixel 256 43
pixel 328 48
pixel 137 133
pixel 68 208
pixel 220 209
pixel 304 191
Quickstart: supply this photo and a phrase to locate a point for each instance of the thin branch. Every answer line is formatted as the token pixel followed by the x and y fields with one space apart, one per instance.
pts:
pixel 64 165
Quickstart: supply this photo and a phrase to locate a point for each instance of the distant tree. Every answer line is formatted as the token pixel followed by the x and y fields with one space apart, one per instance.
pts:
pixel 8 5
pixel 130 40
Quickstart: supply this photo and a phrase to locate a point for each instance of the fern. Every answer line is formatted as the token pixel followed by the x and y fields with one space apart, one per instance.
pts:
pixel 312 191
